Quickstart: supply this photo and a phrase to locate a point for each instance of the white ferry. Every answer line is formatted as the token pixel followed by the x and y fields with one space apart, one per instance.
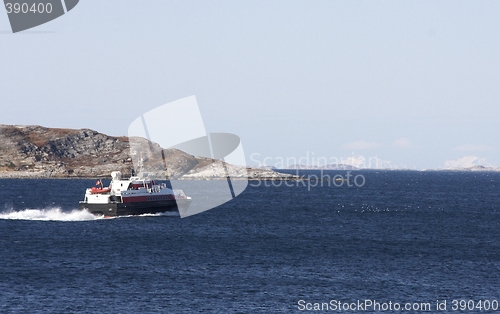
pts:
pixel 136 196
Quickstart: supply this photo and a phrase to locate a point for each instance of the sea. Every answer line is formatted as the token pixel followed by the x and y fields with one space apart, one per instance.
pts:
pixel 389 242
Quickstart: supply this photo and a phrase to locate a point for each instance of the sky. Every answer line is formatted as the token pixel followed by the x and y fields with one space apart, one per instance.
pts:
pixel 413 84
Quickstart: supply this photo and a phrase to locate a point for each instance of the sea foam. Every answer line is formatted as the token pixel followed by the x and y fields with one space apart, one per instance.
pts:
pixel 49 214
pixel 56 214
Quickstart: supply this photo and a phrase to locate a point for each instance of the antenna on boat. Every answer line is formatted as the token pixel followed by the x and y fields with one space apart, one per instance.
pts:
pixel 140 165
pixel 167 177
pixel 164 163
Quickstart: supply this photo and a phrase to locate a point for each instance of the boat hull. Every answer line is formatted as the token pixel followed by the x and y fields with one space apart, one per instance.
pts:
pixel 114 209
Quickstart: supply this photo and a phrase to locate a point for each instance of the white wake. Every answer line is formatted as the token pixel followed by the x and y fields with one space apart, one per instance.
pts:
pixel 50 214
pixel 169 214
pixel 56 214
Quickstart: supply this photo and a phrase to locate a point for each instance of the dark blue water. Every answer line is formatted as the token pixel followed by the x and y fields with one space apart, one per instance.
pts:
pixel 402 237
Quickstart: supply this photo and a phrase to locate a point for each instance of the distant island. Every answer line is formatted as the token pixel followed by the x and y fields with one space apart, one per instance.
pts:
pixel 38 152
pixel 472 168
pixel 323 167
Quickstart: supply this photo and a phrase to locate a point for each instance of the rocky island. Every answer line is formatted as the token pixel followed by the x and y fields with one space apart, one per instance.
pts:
pixel 39 152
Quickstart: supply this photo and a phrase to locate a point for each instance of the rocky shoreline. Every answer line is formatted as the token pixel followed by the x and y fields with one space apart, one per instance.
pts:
pixel 276 176
pixel 251 174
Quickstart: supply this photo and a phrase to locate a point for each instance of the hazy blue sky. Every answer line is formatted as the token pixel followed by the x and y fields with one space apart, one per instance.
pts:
pixel 416 83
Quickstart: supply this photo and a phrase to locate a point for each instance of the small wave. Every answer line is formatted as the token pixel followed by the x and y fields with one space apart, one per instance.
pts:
pixel 50 214
pixel 169 214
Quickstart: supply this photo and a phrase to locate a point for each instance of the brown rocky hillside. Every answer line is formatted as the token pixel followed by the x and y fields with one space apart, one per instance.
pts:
pixel 51 152
pixel 38 152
